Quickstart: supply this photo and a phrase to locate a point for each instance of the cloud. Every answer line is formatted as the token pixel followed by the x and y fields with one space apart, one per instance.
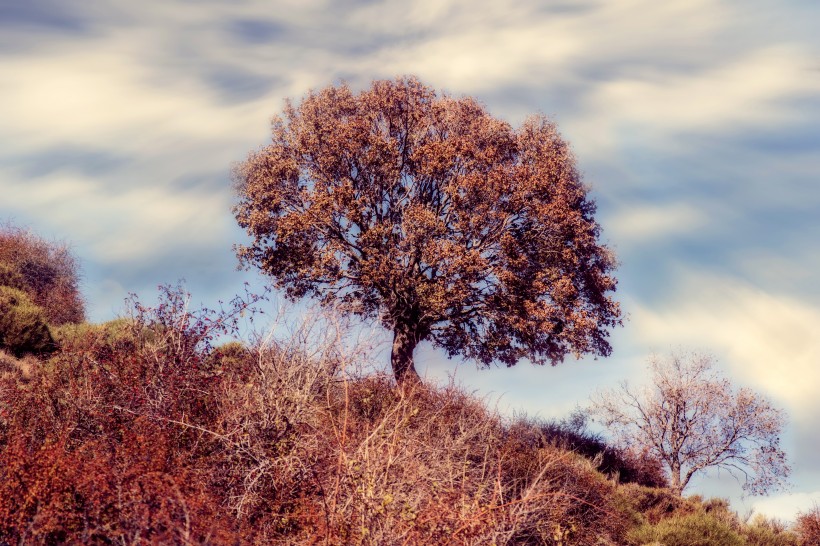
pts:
pixel 738 91
pixel 638 224
pixel 786 506
pixel 126 224
pixel 767 339
pixel 95 99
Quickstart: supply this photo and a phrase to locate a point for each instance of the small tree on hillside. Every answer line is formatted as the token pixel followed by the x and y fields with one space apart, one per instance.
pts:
pixel 693 419
pixel 435 217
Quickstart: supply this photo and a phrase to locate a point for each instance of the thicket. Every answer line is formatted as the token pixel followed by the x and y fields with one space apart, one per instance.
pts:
pixel 39 289
pixel 139 431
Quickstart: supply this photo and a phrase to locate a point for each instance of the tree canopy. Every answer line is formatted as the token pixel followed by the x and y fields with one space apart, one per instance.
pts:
pixel 440 220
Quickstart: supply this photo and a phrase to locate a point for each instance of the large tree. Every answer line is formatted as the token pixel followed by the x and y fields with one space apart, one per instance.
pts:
pixel 692 418
pixel 428 213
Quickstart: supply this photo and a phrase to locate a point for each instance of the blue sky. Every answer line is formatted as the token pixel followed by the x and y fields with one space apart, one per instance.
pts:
pixel 696 123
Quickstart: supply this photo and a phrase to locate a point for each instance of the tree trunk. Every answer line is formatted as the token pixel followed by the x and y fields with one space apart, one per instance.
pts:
pixel 676 485
pixel 401 355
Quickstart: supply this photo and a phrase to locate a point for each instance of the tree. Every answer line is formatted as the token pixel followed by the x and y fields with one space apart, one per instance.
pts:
pixel 426 212
pixel 693 419
pixel 46 271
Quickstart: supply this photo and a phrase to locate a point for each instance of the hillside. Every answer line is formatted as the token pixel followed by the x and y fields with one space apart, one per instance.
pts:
pixel 137 431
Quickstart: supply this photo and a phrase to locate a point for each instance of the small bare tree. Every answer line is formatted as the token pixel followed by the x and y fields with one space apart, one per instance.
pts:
pixel 693 419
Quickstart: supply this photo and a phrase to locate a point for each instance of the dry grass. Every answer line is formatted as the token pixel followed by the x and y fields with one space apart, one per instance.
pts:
pixel 320 457
pixel 138 433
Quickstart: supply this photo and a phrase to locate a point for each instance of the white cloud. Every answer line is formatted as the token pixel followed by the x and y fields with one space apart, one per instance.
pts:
pixel 102 99
pixel 127 224
pixel 786 506
pixel 768 340
pixel 641 223
pixel 727 93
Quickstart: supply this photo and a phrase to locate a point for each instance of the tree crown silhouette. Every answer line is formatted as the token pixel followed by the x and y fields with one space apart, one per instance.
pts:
pixel 428 213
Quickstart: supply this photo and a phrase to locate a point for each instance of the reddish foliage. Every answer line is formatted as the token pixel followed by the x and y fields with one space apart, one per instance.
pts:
pixel 437 218
pixel 47 271
pixel 808 526
pixel 137 432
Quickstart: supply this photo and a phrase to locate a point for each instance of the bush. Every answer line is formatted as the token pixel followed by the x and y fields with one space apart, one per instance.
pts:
pixel 23 329
pixel 625 466
pixel 10 277
pixel 699 529
pixel 107 443
pixel 762 531
pixel 47 271
pixel 114 335
pixel 137 428
pixel 808 527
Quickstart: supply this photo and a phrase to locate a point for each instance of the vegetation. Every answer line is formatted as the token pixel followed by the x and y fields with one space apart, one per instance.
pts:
pixel 438 219
pixel 46 271
pixel 692 419
pixel 138 431
pixel 808 525
pixel 448 226
pixel 23 327
pixel 38 290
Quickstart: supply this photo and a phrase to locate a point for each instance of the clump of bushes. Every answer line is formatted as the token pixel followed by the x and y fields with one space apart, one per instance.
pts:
pixel 699 529
pixel 23 327
pixel 808 526
pixel 46 271
pixel 38 290
pixel 139 431
pixel 624 466
pixel 763 531
pixel 665 518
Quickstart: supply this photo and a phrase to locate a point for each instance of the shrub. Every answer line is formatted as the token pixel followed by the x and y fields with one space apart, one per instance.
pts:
pixel 137 431
pixel 109 441
pixel 698 529
pixel 573 435
pixel 22 324
pixel 114 335
pixel 762 531
pixel 808 527
pixel 10 277
pixel 47 271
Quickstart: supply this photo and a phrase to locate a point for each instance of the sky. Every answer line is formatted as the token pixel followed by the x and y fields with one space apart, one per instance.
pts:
pixel 696 124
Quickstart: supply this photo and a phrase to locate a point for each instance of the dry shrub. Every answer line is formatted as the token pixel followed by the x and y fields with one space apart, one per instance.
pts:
pixel 135 491
pixel 763 531
pixel 656 504
pixel 104 444
pixel 46 270
pixel 626 465
pixel 271 428
pixel 808 526
pixel 313 454
pixel 695 529
pixel 23 328
pixel 138 432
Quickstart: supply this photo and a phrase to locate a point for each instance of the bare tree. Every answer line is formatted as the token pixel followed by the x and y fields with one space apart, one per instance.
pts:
pixel 693 419
pixel 438 219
